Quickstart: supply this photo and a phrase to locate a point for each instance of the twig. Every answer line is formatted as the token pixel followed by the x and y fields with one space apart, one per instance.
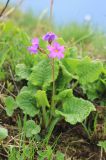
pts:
pixel 66 150
pixel 12 9
pixel 3 10
pixel 2 107
pixel 91 156
pixel 2 88
pixel 4 155
pixel 8 91
pixel 101 153
pixel 2 145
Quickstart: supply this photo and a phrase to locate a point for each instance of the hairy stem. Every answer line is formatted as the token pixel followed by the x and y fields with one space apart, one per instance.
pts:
pixel 53 89
pixel 44 117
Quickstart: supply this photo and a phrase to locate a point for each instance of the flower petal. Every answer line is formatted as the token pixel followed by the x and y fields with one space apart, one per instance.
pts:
pixel 35 41
pixel 49 37
pixel 56 50
pixel 32 49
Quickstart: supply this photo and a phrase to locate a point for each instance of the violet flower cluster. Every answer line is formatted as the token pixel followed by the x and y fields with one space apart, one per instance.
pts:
pixel 50 37
pixel 55 49
pixel 35 45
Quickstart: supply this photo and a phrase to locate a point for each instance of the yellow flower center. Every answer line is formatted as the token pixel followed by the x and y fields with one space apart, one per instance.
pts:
pixel 56 50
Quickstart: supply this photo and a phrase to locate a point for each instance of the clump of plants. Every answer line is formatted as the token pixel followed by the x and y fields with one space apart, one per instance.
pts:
pixel 55 85
pixel 52 79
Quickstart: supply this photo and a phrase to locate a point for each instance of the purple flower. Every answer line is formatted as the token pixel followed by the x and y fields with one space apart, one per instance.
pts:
pixel 35 45
pixel 56 51
pixel 35 41
pixel 49 37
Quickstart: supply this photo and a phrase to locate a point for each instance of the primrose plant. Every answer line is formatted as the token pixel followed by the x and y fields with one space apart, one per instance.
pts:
pixel 52 73
pixel 56 51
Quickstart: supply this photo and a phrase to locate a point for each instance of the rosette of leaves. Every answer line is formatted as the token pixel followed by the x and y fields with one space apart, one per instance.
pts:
pixel 35 99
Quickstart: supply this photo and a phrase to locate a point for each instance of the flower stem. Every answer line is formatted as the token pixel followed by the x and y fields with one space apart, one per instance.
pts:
pixel 53 89
pixel 44 117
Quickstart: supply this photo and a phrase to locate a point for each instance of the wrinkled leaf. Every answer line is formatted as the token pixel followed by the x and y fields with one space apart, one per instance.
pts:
pixel 27 103
pixel 10 105
pixel 41 98
pixel 63 78
pixel 42 73
pixel 71 64
pixel 74 109
pixel 31 128
pixel 22 71
pixel 88 71
pixel 64 94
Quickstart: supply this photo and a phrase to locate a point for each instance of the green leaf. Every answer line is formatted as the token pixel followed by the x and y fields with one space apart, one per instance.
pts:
pixel 63 78
pixel 91 91
pixel 3 133
pixel 41 98
pixel 60 41
pixel 71 64
pixel 31 128
pixel 64 94
pixel 88 71
pixel 10 105
pixel 94 90
pixel 42 73
pixel 26 101
pixel 74 109
pixel 46 154
pixel 30 88
pixel 59 155
pixel 102 144
pixel 22 71
pixel 73 52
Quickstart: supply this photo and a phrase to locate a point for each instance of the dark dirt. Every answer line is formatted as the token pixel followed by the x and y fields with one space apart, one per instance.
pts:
pixel 73 140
